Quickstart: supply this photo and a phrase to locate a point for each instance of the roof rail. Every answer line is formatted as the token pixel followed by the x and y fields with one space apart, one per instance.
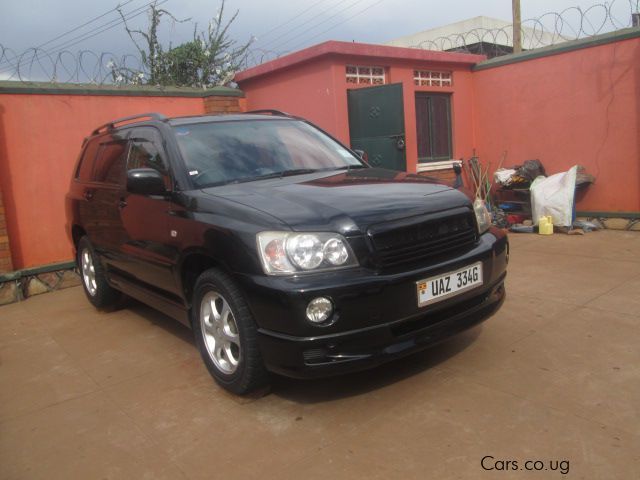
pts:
pixel 112 124
pixel 277 113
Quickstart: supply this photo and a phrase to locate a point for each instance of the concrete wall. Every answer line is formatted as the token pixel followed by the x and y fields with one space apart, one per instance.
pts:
pixel 40 138
pixel 6 263
pixel 569 107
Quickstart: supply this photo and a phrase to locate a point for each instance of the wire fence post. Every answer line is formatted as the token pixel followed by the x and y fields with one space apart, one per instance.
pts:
pixel 517 26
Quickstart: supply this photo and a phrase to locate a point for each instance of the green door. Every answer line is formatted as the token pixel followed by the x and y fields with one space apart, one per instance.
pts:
pixel 376 125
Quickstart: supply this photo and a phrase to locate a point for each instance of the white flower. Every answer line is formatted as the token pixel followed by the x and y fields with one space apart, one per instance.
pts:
pixel 207 53
pixel 110 64
pixel 141 75
pixel 119 78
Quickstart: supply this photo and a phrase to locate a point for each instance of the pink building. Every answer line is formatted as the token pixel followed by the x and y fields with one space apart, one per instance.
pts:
pixel 420 110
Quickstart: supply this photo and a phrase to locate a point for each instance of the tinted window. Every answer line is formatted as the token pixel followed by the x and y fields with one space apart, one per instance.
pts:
pixel 146 152
pixel 86 163
pixel 223 152
pixel 110 162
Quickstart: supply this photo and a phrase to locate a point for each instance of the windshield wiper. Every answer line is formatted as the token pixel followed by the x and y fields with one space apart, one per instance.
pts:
pixel 280 174
pixel 348 168
pixel 297 171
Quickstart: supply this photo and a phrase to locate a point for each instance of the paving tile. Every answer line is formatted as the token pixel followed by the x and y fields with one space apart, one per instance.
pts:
pixel 174 404
pixel 569 279
pixel 569 367
pixel 282 428
pixel 622 299
pixel 594 341
pixel 115 346
pixel 444 433
pixel 521 316
pixel 37 372
pixel 604 244
pixel 87 438
pixel 17 324
pixel 133 357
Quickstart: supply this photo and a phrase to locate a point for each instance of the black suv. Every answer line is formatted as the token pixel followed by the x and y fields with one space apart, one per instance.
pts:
pixel 279 246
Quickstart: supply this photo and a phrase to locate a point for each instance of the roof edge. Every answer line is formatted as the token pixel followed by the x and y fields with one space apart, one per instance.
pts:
pixel 333 47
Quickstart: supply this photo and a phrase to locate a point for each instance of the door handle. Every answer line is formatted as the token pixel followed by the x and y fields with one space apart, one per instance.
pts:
pixel 88 194
pixel 122 203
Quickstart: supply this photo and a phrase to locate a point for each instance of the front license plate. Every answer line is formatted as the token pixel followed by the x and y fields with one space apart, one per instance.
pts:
pixel 448 285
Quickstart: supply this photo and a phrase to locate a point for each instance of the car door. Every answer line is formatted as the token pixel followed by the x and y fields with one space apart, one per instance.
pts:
pixel 105 186
pixel 145 218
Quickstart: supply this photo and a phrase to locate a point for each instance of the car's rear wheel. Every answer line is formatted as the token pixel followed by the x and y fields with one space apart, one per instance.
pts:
pixel 226 334
pixel 98 291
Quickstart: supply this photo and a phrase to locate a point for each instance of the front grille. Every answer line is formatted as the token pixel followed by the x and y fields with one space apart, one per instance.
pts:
pixel 419 240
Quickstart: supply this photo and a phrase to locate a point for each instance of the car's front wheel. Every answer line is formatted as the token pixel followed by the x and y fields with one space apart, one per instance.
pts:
pixel 226 334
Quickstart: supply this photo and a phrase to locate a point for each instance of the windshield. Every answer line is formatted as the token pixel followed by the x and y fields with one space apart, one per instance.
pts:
pixel 239 151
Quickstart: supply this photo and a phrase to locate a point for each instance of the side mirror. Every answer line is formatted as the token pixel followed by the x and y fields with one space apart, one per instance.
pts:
pixel 145 181
pixel 363 156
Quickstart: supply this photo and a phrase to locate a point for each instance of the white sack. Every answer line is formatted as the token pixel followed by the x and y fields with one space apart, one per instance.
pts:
pixel 503 175
pixel 554 196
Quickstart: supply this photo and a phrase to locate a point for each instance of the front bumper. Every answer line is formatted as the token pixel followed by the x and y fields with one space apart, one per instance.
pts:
pixel 376 316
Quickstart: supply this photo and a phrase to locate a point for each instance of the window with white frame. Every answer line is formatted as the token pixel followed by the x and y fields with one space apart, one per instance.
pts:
pixel 432 78
pixel 362 75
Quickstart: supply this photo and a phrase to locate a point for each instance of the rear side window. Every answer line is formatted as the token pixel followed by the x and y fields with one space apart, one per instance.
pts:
pixel 83 171
pixel 110 162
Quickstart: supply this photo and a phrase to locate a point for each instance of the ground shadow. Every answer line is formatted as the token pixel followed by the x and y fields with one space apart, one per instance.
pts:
pixel 158 319
pixel 331 388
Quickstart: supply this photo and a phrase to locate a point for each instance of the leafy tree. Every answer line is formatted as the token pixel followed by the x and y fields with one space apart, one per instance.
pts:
pixel 210 59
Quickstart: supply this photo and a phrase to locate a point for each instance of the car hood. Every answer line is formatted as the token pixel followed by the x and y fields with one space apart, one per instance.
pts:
pixel 346 202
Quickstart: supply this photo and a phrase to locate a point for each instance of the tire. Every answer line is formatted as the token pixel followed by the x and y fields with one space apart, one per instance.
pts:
pixel 226 334
pixel 92 274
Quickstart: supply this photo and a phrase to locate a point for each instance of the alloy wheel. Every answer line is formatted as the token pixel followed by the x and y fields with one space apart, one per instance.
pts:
pixel 220 332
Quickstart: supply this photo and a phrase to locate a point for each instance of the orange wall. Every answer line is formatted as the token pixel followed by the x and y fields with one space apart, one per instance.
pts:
pixel 305 90
pixel 317 91
pixel 579 107
pixel 40 138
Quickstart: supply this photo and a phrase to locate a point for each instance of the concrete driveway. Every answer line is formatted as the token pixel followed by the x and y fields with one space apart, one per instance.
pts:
pixel 553 378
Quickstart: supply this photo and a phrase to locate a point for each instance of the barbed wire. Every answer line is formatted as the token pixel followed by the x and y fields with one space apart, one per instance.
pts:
pixel 551 28
pixel 84 66
pixel 106 68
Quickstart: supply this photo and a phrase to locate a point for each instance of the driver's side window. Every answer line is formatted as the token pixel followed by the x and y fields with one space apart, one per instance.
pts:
pixel 146 152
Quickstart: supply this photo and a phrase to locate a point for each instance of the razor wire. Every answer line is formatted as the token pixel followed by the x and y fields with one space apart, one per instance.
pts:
pixel 84 66
pixel 551 28
pixel 106 68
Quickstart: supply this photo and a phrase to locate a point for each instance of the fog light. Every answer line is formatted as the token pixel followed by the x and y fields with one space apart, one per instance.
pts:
pixel 319 310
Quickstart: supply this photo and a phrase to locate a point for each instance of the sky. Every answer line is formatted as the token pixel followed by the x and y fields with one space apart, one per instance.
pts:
pixel 276 25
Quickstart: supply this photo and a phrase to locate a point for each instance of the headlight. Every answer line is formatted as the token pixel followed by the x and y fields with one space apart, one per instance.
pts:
pixel 483 217
pixel 288 252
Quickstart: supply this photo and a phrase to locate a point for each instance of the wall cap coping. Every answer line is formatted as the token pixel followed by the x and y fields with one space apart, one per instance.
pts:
pixel 46 88
pixel 568 46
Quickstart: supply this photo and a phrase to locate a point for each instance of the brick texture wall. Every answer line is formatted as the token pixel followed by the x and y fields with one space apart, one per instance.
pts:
pixel 5 251
pixel 224 104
